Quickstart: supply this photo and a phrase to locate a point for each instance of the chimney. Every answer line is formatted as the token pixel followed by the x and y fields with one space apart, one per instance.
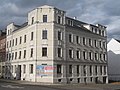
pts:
pixel 75 18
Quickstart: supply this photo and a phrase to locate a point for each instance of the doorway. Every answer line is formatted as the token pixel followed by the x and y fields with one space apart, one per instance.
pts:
pixel 104 79
pixel 18 74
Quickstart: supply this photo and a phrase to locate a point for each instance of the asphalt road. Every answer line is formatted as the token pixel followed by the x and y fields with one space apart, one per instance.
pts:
pixel 15 86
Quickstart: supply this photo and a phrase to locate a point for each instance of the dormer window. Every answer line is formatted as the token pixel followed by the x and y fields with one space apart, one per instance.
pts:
pixel 32 20
pixel 70 22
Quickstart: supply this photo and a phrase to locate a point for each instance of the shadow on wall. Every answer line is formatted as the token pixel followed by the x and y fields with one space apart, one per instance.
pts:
pixel 113 66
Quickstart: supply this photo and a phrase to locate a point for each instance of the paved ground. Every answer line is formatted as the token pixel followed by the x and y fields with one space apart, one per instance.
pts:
pixel 23 85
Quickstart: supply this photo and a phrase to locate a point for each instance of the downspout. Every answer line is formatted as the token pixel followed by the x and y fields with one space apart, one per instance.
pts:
pixel 36 46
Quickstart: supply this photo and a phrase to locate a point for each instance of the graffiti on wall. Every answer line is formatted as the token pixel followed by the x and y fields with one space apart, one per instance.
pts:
pixel 44 70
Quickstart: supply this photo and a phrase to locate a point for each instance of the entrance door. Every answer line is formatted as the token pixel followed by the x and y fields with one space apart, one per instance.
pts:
pixel 104 79
pixel 78 80
pixel 18 77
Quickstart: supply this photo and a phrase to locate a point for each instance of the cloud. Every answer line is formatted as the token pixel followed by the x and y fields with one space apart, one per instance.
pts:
pixel 105 12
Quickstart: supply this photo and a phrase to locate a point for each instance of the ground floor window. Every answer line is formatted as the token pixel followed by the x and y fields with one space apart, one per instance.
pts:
pixel 59 68
pixel 31 68
pixel 24 68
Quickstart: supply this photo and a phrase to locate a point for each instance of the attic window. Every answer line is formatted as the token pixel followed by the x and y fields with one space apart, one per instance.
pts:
pixel 32 20
pixel 59 19
pixel 70 22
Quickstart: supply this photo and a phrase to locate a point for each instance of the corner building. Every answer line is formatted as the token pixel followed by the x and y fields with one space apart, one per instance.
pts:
pixel 54 48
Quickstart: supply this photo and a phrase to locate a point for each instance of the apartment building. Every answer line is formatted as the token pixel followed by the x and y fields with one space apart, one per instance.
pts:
pixel 2 52
pixel 54 48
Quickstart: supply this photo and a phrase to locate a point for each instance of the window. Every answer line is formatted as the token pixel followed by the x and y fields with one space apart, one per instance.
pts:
pixel 100 70
pixel 96 70
pixel 84 41
pixel 44 18
pixel 15 55
pixel 84 54
pixel 96 56
pixel 96 30
pixel 104 56
pixel 70 22
pixel 31 68
pixel 59 19
pixel 59 52
pixel 31 55
pixel 59 35
pixel 78 69
pixel 103 33
pixel 59 68
pixel 105 70
pixel 31 35
pixel 20 40
pixel 77 40
pixel 95 42
pixel 70 38
pixel 24 38
pixel 90 42
pixel 24 68
pixel 8 32
pixel 19 54
pixel 70 69
pixel 84 70
pixel 32 20
pixel 78 54
pixel 100 44
pixel 12 56
pixel 9 56
pixel 99 32
pixel 13 42
pixel 44 34
pixel 10 43
pixel 90 55
pixel 70 53
pixel 90 70
pixel 16 41
pixel 24 54
pixel 44 51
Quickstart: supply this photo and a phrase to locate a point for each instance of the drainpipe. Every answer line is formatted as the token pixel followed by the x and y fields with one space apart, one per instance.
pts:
pixel 36 46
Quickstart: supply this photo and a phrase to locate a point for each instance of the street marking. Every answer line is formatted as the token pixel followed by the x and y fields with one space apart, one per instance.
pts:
pixel 10 86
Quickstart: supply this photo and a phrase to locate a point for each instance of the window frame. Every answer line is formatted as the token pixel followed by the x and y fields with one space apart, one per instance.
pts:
pixel 44 52
pixel 45 18
pixel 59 68
pixel 44 34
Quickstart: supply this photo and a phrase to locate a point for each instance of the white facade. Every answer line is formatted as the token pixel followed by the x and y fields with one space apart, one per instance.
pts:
pixel 113 48
pixel 56 49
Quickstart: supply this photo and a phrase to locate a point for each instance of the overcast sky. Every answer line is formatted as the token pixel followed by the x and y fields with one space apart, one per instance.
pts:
pixel 106 12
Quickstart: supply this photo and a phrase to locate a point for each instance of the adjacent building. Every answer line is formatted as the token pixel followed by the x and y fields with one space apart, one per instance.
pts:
pixel 113 48
pixel 54 48
pixel 2 53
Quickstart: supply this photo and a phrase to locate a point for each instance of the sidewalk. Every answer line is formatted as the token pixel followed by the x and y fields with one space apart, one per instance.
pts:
pixel 26 82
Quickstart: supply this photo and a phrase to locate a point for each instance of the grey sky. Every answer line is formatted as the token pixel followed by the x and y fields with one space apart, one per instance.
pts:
pixel 106 12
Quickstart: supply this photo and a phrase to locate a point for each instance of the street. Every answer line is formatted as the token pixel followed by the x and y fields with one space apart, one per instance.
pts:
pixel 14 86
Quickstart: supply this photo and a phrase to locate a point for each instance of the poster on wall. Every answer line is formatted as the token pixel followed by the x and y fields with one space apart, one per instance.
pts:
pixel 44 70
